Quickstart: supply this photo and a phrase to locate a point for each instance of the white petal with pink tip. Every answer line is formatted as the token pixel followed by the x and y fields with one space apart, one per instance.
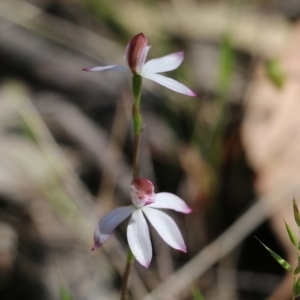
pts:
pixel 166 228
pixel 114 67
pixel 164 64
pixel 170 83
pixel 139 238
pixel 107 225
pixel 170 201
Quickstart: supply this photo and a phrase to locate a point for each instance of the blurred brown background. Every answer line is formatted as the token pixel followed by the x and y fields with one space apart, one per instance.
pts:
pixel 66 143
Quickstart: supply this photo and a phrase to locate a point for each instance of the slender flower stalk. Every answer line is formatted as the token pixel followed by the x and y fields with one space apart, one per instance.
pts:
pixel 129 262
pixel 137 125
pixel 137 121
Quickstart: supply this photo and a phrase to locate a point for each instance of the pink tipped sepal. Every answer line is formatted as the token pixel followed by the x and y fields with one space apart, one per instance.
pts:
pixel 95 247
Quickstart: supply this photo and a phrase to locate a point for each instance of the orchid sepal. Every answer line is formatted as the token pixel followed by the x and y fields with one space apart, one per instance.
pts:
pixel 138 237
pixel 108 224
pixel 170 201
pixel 166 228
pixel 112 67
pixel 166 63
pixel 170 84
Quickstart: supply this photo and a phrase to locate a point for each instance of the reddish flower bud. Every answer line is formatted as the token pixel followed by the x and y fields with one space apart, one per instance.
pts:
pixel 136 53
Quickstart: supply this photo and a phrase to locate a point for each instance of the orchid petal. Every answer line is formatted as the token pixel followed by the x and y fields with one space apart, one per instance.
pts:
pixel 166 227
pixel 139 238
pixel 170 83
pixel 164 64
pixel 114 67
pixel 108 223
pixel 170 201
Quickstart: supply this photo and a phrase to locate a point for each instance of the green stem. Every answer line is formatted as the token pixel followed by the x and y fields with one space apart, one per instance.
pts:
pixel 137 121
pixel 137 125
pixel 135 156
pixel 137 89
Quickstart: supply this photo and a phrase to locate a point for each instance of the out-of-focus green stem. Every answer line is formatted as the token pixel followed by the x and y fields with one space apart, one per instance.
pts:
pixel 225 78
pixel 137 126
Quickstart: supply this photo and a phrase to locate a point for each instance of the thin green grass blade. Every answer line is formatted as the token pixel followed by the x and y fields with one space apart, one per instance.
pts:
pixel 297 270
pixel 291 234
pixel 65 294
pixel 279 259
pixel 225 65
pixel 197 294
pixel 27 131
pixel 296 288
pixel 296 212
pixel 275 73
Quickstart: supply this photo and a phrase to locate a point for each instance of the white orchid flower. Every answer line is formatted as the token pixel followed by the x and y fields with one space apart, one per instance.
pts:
pixel 135 56
pixel 145 203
